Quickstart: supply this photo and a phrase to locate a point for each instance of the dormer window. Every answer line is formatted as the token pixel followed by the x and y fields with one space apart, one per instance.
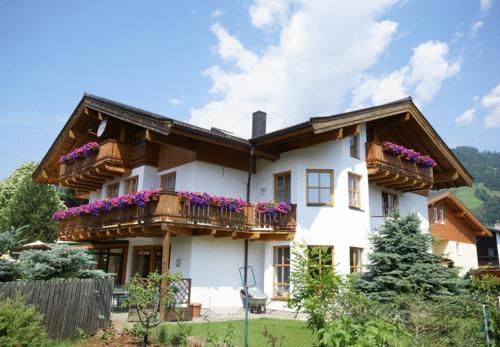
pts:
pixel 438 213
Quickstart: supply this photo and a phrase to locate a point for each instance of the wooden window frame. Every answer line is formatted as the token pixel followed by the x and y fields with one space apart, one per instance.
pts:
pixel 127 184
pixel 279 174
pixel 166 176
pixel 117 185
pixel 356 138
pixel 442 216
pixel 395 199
pixel 283 266
pixel 319 171
pixel 153 249
pixel 353 265
pixel 351 192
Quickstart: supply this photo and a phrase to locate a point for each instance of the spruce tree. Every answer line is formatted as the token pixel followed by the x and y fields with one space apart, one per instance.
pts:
pixel 401 263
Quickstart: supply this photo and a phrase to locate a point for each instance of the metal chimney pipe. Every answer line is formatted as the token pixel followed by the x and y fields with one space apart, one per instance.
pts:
pixel 258 123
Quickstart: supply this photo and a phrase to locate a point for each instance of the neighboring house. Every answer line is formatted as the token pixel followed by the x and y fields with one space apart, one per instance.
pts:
pixel 335 171
pixel 488 248
pixel 455 230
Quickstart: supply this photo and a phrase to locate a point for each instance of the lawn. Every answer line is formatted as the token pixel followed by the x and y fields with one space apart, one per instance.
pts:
pixel 289 332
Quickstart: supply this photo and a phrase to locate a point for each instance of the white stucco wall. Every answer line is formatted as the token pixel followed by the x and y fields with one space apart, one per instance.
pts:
pixel 463 255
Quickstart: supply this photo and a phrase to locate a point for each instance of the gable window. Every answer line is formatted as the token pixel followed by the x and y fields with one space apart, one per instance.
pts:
pixel 168 181
pixel 319 258
pixel 112 190
pixel 354 190
pixel 389 203
pixel 356 260
pixel 438 213
pixel 282 187
pixel 319 187
pixel 281 265
pixel 354 146
pixel 131 185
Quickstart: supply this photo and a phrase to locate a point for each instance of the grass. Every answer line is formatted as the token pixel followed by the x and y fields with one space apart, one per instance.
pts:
pixel 288 332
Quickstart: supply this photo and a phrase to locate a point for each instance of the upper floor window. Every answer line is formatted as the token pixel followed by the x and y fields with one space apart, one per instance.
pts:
pixel 438 213
pixel 319 187
pixel 281 265
pixel 131 185
pixel 319 258
pixel 112 190
pixel 282 187
pixel 356 260
pixel 354 190
pixel 389 203
pixel 168 181
pixel 354 146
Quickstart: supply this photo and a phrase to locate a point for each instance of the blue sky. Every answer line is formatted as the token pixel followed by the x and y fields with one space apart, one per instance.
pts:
pixel 213 63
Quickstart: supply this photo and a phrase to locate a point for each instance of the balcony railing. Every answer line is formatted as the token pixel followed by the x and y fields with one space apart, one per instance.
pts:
pixel 395 171
pixel 167 209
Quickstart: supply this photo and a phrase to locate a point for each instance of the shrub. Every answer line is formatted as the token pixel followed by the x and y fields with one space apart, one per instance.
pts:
pixel 59 261
pixel 8 271
pixel 20 325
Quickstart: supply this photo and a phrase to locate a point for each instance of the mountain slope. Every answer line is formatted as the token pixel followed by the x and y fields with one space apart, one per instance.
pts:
pixel 483 198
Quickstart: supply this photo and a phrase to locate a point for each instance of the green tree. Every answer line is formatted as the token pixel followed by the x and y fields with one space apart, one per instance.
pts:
pixel 59 261
pixel 144 299
pixel 401 263
pixel 23 202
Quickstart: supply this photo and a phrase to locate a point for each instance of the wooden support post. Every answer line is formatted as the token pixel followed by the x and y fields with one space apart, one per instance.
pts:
pixel 164 269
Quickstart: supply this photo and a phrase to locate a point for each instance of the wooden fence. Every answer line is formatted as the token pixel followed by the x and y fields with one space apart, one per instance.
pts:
pixel 67 304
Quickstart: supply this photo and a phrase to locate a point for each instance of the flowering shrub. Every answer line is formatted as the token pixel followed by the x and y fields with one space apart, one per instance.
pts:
pixel 140 199
pixel 408 154
pixel 197 199
pixel 273 208
pixel 79 153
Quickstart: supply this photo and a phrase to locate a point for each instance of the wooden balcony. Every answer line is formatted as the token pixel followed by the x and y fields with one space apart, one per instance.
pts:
pixel 394 172
pixel 113 159
pixel 167 212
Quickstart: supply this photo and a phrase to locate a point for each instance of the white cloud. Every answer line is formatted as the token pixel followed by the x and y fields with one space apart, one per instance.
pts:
pixel 422 77
pixel 467 117
pixel 323 48
pixel 175 101
pixel 475 28
pixel 491 102
pixel 485 5
pixel 216 13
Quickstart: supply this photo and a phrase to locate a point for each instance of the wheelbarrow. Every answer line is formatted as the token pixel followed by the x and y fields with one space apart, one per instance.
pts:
pixel 257 299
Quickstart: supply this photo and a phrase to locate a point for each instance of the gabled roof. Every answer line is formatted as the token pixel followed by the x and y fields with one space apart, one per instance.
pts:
pixel 479 228
pixel 269 145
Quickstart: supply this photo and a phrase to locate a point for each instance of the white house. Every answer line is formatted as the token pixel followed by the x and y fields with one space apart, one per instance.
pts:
pixel 336 171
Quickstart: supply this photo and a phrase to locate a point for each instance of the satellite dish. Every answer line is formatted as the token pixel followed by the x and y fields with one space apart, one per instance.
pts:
pixel 102 127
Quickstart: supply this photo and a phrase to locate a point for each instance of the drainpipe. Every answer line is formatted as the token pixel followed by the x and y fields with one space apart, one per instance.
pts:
pixel 245 272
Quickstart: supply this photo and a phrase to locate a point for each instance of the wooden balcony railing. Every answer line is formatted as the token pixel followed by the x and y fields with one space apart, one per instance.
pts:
pixel 394 171
pixel 167 209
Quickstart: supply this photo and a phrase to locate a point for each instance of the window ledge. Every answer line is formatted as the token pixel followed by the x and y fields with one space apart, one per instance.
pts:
pixel 356 208
pixel 280 298
pixel 319 205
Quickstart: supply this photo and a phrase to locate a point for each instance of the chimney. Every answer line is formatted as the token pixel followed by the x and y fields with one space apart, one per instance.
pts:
pixel 258 123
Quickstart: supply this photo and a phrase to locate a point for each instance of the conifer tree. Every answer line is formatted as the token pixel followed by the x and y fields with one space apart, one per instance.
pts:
pixel 401 262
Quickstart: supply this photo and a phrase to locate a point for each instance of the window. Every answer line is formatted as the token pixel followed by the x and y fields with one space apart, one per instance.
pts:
pixel 131 186
pixel 319 187
pixel 356 259
pixel 438 213
pixel 147 259
pixel 389 203
pixel 354 196
pixel 282 184
pixel 354 146
pixel 320 257
pixel 110 260
pixel 281 266
pixel 112 190
pixel 168 181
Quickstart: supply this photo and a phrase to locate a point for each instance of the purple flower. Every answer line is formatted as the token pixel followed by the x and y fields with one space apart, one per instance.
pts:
pixel 82 152
pixel 408 154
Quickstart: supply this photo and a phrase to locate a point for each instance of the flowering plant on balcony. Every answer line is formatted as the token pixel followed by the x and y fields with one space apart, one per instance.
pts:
pixel 141 199
pixel 79 153
pixel 197 199
pixel 273 208
pixel 408 154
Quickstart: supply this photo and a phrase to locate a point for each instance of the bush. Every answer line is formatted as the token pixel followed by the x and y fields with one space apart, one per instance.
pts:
pixel 20 325
pixel 8 271
pixel 59 261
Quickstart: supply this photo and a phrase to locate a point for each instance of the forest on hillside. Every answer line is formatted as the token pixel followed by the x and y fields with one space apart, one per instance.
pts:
pixel 483 198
